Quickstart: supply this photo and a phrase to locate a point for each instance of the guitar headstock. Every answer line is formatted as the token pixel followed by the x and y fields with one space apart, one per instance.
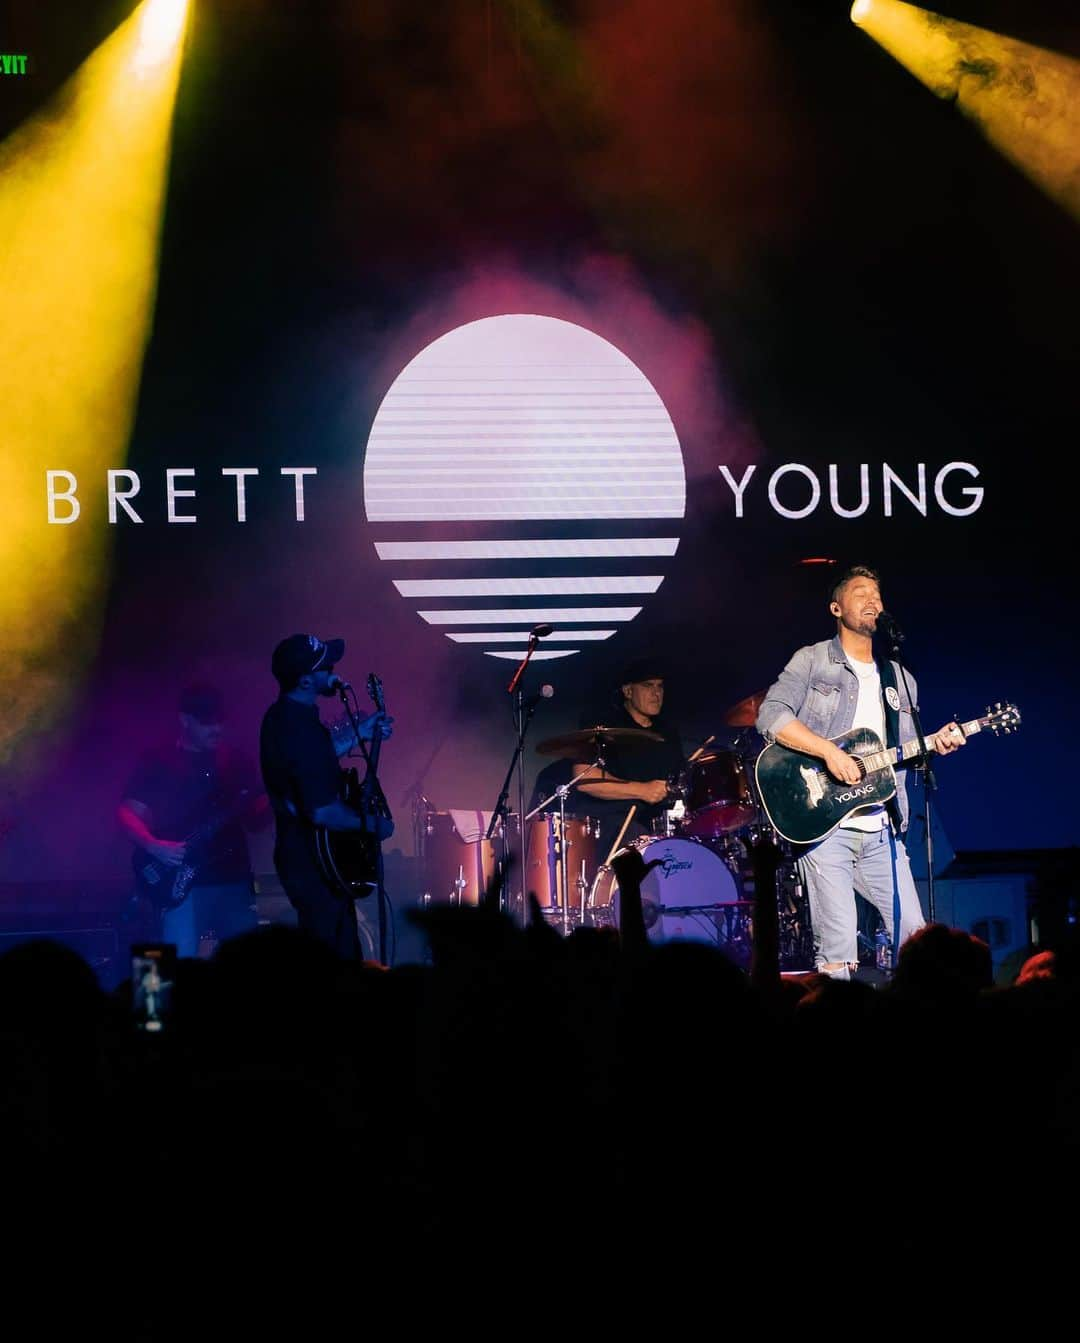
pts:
pixel 1002 717
pixel 375 691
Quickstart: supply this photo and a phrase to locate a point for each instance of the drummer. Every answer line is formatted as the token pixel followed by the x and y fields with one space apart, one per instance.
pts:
pixel 637 770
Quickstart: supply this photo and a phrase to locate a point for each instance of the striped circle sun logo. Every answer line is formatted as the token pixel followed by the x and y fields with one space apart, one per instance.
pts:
pixel 522 470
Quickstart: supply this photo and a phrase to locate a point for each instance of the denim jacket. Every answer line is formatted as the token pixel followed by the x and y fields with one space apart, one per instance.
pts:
pixel 820 689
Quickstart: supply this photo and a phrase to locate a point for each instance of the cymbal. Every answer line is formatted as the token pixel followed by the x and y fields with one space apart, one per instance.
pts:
pixel 582 745
pixel 744 714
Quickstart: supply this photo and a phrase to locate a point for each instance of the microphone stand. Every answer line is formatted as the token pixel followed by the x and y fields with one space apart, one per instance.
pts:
pixel 522 714
pixel 379 798
pixel 894 637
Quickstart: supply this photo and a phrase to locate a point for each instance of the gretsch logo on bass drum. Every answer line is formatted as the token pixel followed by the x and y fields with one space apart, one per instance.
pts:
pixel 669 864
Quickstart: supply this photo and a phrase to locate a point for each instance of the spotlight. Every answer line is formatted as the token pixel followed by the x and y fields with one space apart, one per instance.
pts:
pixel 1023 99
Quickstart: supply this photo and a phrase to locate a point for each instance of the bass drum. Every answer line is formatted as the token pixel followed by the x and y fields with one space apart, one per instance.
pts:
pixel 690 896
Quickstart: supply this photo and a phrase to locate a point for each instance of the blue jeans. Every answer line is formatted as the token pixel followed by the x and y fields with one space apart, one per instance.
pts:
pixel 873 863
pixel 221 911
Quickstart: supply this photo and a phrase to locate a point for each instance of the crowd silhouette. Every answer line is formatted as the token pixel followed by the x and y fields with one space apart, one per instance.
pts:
pixel 594 1109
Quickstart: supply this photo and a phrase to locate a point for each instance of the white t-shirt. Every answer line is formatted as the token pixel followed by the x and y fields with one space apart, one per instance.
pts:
pixel 869 712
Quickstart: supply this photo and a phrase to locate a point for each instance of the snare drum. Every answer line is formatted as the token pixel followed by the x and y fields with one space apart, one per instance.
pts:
pixel 543 859
pixel 718 799
pixel 691 895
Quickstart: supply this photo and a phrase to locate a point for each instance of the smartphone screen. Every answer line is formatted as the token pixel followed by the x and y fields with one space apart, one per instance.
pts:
pixel 153 975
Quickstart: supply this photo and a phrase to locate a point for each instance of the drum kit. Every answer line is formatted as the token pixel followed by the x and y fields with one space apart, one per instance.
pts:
pixel 700 883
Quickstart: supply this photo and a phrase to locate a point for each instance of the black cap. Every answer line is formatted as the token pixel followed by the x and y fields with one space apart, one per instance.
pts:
pixel 202 702
pixel 302 653
pixel 642 669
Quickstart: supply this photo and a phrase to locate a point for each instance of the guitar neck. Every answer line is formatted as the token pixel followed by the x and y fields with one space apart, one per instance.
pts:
pixel 898 755
pixel 373 753
pixel 375 691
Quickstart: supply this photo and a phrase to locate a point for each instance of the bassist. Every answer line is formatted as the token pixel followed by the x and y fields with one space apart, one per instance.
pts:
pixel 186 808
pixel 299 756
pixel 825 690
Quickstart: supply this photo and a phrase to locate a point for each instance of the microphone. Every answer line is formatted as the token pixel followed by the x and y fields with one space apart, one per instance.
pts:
pixel 545 692
pixel 336 683
pixel 540 631
pixel 886 623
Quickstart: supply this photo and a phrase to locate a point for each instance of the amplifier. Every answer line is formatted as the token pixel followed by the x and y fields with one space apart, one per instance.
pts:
pixel 99 945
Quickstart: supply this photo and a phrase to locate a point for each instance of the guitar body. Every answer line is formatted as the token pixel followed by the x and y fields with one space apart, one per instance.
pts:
pixel 349 860
pixel 167 886
pixel 804 802
pixel 802 799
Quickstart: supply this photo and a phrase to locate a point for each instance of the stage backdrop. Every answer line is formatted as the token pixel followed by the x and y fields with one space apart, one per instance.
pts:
pixel 641 333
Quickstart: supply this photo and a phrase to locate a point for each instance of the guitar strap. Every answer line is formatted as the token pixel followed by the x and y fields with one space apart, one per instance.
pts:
pixel 887 672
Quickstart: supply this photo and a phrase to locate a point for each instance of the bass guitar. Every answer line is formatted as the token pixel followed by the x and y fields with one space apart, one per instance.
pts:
pixel 804 802
pixel 167 885
pixel 350 860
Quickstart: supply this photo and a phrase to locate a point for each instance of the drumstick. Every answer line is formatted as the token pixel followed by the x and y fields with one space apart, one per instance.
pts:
pixel 618 838
pixel 701 748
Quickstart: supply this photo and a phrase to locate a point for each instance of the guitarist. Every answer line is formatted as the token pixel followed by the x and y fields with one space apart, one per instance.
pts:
pixel 195 784
pixel 827 689
pixel 299 758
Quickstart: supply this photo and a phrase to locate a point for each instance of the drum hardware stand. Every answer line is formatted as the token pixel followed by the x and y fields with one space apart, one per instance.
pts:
pixel 421 820
pixel 582 887
pixel 563 878
pixel 732 916
pixel 523 712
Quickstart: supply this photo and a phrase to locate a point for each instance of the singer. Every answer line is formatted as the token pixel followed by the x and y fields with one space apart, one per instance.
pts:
pixel 825 690
pixel 299 756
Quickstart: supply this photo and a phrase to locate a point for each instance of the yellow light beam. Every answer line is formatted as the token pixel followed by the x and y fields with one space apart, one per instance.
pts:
pixel 1025 100
pixel 82 187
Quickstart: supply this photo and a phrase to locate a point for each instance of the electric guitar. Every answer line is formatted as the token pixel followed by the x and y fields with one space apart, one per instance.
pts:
pixel 804 802
pixel 167 885
pixel 350 860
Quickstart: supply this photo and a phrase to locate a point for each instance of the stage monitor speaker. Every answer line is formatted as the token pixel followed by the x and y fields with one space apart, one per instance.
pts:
pixel 991 907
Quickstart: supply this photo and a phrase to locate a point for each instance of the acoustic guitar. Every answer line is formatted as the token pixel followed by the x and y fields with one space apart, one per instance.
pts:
pixel 804 802
pixel 350 860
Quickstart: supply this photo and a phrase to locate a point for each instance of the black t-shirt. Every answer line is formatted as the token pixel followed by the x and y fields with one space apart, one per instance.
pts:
pixel 299 764
pixel 639 763
pixel 200 794
pixel 552 776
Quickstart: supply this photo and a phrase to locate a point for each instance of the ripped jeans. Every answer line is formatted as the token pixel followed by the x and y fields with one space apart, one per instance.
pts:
pixel 873 863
